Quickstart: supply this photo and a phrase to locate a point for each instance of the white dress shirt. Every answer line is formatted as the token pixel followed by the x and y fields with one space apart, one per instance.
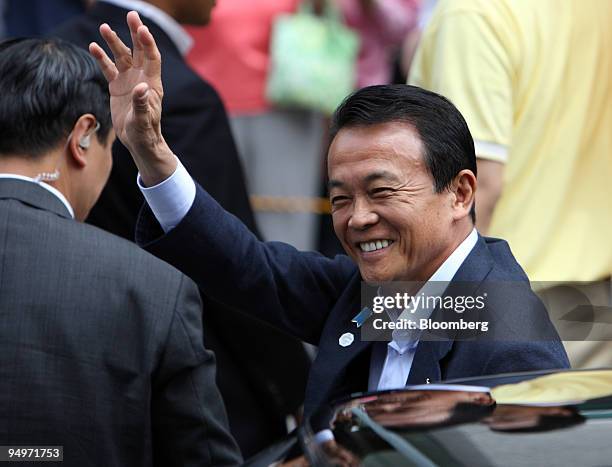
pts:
pixel 177 34
pixel 47 187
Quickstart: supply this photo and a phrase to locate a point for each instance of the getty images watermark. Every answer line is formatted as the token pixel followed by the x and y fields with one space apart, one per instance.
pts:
pixel 496 311
pixel 415 307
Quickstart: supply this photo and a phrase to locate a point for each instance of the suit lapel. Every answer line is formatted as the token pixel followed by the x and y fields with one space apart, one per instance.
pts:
pixel 426 364
pixel 328 375
pixel 476 266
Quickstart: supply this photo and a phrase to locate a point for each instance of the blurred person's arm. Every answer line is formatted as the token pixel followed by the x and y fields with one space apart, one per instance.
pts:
pixel 490 182
pixel 468 58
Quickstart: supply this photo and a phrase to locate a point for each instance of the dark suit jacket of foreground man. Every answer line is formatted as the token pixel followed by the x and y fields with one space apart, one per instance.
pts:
pixel 315 298
pixel 101 347
pixel 257 387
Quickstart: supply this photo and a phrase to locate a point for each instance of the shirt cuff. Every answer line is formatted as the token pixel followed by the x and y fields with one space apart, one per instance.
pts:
pixel 323 436
pixel 171 199
pixel 491 151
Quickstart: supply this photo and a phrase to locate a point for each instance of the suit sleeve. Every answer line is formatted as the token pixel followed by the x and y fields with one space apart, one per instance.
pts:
pixel 190 425
pixel 292 290
pixel 511 357
pixel 523 338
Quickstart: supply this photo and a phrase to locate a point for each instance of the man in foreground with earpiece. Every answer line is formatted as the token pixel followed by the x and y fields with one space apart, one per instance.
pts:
pixel 402 175
pixel 101 347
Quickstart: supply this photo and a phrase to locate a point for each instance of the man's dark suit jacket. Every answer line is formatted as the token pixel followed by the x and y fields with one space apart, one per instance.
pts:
pixel 36 18
pixel 315 298
pixel 101 347
pixel 258 388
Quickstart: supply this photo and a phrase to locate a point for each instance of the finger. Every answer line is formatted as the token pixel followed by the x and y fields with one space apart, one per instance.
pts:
pixel 121 52
pixel 134 22
pixel 106 64
pixel 152 57
pixel 140 101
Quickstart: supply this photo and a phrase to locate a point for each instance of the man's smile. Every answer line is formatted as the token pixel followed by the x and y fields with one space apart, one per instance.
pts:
pixel 374 245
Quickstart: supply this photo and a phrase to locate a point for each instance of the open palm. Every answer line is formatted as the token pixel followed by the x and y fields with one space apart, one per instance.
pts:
pixel 134 83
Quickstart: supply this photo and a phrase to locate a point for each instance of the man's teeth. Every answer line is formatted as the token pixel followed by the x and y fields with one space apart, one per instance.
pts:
pixel 375 245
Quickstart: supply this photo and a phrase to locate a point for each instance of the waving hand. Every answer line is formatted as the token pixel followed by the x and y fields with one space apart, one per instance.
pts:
pixel 136 92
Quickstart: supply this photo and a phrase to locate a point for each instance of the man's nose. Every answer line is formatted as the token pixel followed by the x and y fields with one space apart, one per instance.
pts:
pixel 362 216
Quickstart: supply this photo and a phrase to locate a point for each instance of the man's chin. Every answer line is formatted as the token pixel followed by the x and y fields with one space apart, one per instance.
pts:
pixel 374 277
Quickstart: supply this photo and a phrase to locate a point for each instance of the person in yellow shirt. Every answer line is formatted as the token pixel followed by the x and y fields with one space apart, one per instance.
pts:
pixel 532 79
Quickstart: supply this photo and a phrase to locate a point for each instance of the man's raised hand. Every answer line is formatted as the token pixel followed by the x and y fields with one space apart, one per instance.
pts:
pixel 134 82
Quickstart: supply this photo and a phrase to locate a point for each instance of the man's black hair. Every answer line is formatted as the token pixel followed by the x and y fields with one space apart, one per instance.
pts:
pixel 45 86
pixel 447 141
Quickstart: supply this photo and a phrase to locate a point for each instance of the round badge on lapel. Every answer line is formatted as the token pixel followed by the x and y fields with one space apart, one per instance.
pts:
pixel 346 339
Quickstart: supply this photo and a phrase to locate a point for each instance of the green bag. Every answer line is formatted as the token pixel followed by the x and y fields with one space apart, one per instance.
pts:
pixel 312 60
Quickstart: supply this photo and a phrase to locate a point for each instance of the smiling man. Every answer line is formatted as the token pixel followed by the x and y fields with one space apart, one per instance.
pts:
pixel 403 178
pixel 392 217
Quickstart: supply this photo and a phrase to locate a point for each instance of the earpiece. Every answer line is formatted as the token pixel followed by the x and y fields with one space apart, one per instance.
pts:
pixel 85 141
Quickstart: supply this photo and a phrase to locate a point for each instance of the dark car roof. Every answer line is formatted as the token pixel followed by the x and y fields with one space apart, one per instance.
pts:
pixel 540 418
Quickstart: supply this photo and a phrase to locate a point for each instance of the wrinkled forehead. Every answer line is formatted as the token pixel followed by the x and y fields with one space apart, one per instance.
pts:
pixel 359 143
pixel 386 151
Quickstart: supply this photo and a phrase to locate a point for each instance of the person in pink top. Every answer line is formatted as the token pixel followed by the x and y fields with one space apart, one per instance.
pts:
pixel 233 51
pixel 382 26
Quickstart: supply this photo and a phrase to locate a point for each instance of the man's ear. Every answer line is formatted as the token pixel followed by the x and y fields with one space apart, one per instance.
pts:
pixel 80 139
pixel 463 188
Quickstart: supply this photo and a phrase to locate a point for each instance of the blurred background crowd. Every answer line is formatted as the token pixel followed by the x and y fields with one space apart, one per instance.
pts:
pixel 281 148
pixel 249 88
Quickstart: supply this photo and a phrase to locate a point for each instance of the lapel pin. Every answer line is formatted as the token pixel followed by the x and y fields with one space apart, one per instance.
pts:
pixel 346 339
pixel 427 381
pixel 362 316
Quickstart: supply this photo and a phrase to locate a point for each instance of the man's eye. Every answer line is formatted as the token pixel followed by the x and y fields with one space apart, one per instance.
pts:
pixel 335 200
pixel 382 191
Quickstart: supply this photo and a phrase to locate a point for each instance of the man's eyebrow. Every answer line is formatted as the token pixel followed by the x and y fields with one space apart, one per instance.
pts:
pixel 381 174
pixel 378 175
pixel 334 184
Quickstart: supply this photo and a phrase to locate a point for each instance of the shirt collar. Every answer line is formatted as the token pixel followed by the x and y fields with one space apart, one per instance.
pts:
pixel 449 268
pixel 177 34
pixel 46 186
